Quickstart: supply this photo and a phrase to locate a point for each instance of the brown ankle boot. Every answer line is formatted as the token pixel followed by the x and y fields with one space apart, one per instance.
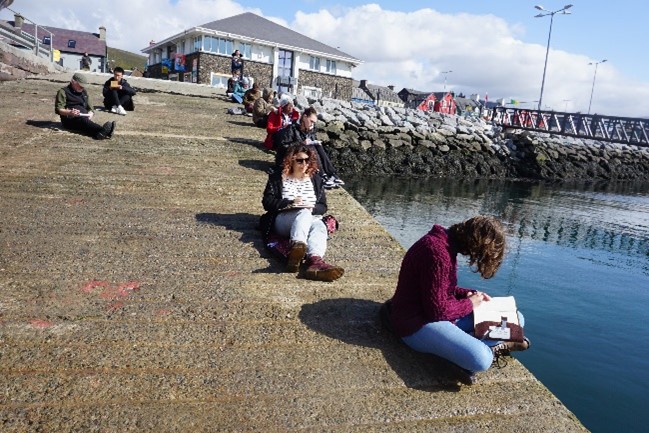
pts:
pixel 321 271
pixel 295 256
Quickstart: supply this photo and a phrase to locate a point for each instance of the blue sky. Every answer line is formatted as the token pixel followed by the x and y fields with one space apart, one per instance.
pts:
pixel 494 46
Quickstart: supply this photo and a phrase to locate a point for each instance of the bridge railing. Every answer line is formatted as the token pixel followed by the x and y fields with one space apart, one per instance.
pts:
pixel 627 130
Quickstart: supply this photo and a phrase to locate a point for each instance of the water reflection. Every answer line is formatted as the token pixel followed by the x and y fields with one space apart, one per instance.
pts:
pixel 613 217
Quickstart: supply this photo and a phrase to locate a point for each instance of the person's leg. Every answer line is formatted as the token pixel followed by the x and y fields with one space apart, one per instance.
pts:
pixel 82 124
pixel 126 102
pixel 284 222
pixel 325 162
pixel 113 98
pixel 448 341
pixel 317 239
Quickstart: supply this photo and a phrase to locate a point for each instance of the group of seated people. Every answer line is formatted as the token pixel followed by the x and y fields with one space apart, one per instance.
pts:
pixel 285 125
pixel 74 107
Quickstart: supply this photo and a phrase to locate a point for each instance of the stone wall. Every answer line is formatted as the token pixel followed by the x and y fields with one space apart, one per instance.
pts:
pixel 388 140
pixel 331 85
pixel 16 64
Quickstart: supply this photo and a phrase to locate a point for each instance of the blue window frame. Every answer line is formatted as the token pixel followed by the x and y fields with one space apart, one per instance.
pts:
pixel 47 40
pixel 72 43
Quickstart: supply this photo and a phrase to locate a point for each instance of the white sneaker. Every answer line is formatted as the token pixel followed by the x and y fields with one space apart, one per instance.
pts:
pixel 330 184
pixel 114 109
pixel 121 110
pixel 337 180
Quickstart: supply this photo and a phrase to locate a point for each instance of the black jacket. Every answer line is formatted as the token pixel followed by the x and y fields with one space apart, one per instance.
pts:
pixel 288 136
pixel 274 203
pixel 125 90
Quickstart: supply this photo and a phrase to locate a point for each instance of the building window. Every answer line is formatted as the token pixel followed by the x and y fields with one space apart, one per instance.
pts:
pixel 314 63
pixel 180 49
pixel 245 50
pixel 312 92
pixel 72 43
pixel 331 66
pixel 219 80
pixel 198 43
pixel 218 45
pixel 47 40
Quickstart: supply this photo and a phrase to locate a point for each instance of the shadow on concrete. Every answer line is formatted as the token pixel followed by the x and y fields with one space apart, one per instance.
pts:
pixel 45 124
pixel 242 123
pixel 256 164
pixel 250 141
pixel 356 321
pixel 248 226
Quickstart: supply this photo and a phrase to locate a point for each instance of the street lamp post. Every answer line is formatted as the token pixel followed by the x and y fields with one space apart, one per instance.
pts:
pixel 594 76
pixel 564 11
pixel 445 74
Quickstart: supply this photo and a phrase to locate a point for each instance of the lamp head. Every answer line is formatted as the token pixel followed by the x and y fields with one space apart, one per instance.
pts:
pixel 539 7
pixel 567 6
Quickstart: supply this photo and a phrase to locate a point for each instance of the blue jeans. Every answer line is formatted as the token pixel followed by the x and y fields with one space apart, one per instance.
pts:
pixel 301 225
pixel 455 343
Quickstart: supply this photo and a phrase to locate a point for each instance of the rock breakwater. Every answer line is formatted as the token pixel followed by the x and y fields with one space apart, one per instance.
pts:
pixel 389 140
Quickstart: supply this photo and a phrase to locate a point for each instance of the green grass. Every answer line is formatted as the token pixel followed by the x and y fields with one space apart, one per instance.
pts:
pixel 125 59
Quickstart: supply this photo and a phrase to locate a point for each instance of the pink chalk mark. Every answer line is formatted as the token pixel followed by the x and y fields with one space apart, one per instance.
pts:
pixel 115 305
pixel 163 312
pixel 41 323
pixel 94 284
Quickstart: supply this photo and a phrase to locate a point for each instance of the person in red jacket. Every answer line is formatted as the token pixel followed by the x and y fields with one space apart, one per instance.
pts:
pixel 278 119
pixel 430 312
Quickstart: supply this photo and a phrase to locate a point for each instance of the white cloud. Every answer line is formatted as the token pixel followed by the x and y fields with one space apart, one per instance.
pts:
pixel 404 49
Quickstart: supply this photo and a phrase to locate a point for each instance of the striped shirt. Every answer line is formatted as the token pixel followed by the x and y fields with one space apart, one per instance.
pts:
pixel 293 188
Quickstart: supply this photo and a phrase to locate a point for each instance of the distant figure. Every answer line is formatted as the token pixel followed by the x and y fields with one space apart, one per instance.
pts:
pixel 73 106
pixel 118 94
pixel 86 61
pixel 237 63
pixel 240 89
pixel 251 96
pixel 232 81
pixel 263 107
pixel 280 118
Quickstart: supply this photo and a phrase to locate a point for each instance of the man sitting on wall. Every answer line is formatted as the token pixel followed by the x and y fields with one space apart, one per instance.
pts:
pixel 73 105
pixel 118 94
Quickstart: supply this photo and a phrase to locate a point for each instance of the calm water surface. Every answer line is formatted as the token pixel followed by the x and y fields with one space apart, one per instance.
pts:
pixel 578 264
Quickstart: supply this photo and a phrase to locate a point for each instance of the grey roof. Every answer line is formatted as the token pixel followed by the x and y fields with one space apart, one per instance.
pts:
pixel 86 41
pixel 256 27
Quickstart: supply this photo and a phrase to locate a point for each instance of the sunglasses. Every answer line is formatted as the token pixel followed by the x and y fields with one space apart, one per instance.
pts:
pixel 301 160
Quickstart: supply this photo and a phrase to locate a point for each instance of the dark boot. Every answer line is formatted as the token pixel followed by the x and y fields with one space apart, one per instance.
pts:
pixel 319 270
pixel 295 256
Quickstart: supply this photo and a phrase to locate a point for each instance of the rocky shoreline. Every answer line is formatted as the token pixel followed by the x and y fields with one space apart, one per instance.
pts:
pixel 388 140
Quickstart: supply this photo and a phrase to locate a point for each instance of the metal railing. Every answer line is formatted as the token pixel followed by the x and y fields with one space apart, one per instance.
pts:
pixel 27 40
pixel 627 130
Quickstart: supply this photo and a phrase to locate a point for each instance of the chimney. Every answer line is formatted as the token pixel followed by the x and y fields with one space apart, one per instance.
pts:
pixel 391 87
pixel 19 20
pixel 102 33
pixel 363 84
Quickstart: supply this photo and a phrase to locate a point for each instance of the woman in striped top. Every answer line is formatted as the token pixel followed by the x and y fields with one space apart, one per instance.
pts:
pixel 295 201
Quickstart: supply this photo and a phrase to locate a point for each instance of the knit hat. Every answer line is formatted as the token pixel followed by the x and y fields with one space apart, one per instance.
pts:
pixel 285 99
pixel 80 78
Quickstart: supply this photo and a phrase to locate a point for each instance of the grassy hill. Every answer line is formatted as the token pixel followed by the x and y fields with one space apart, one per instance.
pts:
pixel 125 59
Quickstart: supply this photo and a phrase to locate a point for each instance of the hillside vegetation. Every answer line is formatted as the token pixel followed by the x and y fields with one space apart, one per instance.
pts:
pixel 125 59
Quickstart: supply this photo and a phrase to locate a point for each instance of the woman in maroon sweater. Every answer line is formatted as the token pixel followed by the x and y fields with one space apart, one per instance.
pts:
pixel 430 312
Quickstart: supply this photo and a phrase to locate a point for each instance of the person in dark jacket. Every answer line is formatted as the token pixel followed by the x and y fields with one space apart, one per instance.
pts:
pixel 304 132
pixel 118 94
pixel 295 200
pixel 430 312
pixel 73 106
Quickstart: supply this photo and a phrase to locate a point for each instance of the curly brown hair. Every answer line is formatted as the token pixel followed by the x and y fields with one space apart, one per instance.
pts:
pixel 482 238
pixel 287 164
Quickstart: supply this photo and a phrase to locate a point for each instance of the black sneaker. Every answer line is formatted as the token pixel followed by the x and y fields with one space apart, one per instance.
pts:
pixel 107 129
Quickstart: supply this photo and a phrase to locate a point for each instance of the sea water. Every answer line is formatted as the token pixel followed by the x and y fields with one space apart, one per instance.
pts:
pixel 578 264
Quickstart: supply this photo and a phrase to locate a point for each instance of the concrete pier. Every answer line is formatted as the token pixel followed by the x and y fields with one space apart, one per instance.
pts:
pixel 136 294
